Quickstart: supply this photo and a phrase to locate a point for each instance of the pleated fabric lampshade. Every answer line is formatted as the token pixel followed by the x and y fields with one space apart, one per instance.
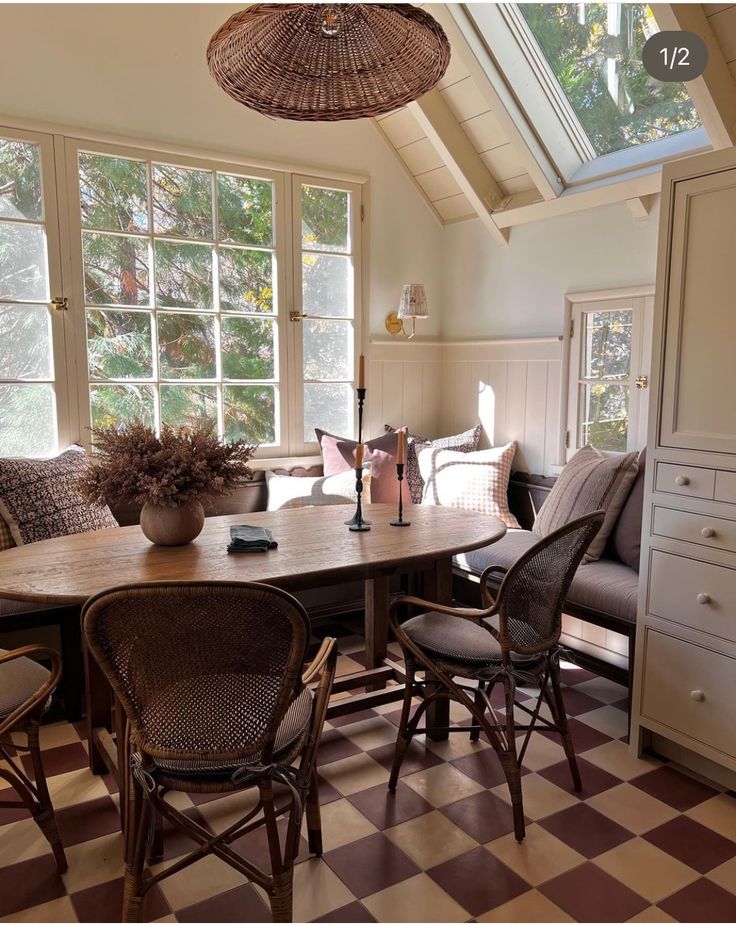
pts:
pixel 324 63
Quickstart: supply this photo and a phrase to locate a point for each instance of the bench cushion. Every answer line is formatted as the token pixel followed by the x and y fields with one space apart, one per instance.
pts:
pixel 608 587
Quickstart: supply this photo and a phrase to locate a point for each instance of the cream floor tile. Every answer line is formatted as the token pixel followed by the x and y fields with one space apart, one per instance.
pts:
pixel 718 813
pixel 431 839
pixel 93 862
pixel 228 809
pixel 20 841
pixel 206 877
pixel 646 869
pixel 346 665
pixel 529 907
pixel 609 720
pixel 538 858
pixel 58 910
pixel 456 745
pixel 541 797
pixel 442 784
pixel 652 914
pixel 541 752
pixel 58 734
pixel 418 899
pixel 167 918
pixel 76 787
pixel 617 758
pixel 632 808
pixel 371 733
pixel 724 875
pixel 603 689
pixel 359 772
pixel 342 823
pixel 317 891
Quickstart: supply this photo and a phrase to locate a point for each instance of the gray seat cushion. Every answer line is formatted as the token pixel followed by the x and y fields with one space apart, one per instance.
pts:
pixel 606 586
pixel 19 681
pixel 453 637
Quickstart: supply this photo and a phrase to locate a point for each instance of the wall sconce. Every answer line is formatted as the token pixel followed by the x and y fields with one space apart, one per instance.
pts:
pixel 413 305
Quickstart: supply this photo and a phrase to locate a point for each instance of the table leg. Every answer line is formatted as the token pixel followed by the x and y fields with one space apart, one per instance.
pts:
pixel 438 587
pixel 376 624
pixel 99 705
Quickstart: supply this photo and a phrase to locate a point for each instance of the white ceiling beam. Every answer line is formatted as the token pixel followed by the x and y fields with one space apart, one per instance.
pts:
pixel 714 93
pixel 439 124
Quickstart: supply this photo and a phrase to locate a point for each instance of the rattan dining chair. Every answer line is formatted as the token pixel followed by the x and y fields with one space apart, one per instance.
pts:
pixel 26 688
pixel 210 678
pixel 513 640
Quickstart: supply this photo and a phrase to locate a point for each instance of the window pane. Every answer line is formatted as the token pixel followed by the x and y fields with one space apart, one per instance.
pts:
pixel 182 201
pixel 244 210
pixel 119 345
pixel 23 272
pixel 121 404
pixel 115 269
pixel 187 405
pixel 186 346
pixel 113 193
pixel 329 406
pixel 184 275
pixel 250 413
pixel 246 280
pixel 594 50
pixel 27 420
pixel 328 350
pixel 25 342
pixel 327 286
pixel 325 219
pixel 607 351
pixel 20 181
pixel 605 415
pixel 248 348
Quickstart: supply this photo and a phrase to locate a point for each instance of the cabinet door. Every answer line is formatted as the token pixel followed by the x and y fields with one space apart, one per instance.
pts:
pixel 698 408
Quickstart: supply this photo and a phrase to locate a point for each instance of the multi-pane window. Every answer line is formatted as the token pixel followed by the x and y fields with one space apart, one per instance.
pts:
pixel 179 271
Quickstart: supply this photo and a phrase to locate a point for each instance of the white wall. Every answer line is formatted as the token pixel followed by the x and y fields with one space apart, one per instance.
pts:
pixel 519 290
pixel 140 70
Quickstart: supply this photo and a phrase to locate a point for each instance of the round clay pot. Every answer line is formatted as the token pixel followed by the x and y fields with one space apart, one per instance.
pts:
pixel 172 526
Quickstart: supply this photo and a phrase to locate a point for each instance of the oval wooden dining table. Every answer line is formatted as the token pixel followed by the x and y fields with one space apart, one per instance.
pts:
pixel 315 550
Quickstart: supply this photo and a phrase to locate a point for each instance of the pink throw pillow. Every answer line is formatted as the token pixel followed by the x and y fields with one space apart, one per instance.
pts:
pixel 338 455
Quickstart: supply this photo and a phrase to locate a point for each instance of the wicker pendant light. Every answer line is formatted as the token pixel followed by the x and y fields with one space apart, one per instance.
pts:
pixel 328 62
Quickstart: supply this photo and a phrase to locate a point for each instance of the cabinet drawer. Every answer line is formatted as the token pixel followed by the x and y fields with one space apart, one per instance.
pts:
pixel 725 486
pixel 690 689
pixel 691 481
pixel 712 532
pixel 693 593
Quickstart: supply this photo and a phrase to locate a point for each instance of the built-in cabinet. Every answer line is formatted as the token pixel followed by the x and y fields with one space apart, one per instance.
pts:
pixel 685 666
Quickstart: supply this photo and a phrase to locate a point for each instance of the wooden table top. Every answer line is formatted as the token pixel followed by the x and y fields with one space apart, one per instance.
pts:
pixel 315 549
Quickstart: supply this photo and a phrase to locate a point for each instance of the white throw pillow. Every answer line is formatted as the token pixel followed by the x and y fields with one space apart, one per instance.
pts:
pixel 472 481
pixel 289 491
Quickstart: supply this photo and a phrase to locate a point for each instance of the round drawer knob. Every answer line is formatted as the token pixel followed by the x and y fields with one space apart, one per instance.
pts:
pixel 682 480
pixel 697 695
pixel 708 532
pixel 703 598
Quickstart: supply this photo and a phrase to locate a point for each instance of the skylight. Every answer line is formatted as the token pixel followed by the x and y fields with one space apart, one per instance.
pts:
pixel 594 51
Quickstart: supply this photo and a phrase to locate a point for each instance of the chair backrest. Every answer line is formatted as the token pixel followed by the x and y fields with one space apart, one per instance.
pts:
pixel 202 669
pixel 532 594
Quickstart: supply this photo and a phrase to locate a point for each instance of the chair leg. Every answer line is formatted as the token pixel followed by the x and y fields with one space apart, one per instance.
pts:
pixel 140 810
pixel 314 817
pixel 474 722
pixel 510 762
pixel 282 898
pixel 403 737
pixel 560 718
pixel 44 813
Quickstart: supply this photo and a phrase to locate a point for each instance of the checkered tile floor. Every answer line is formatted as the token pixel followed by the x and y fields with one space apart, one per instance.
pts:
pixel 642 843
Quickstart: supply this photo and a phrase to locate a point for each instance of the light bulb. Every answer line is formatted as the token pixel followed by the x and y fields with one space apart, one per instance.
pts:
pixel 331 21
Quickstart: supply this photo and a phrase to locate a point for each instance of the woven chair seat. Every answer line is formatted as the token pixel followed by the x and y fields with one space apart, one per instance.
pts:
pixel 461 640
pixel 19 681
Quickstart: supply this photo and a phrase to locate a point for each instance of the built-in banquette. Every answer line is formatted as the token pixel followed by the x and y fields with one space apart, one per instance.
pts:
pixel 686 650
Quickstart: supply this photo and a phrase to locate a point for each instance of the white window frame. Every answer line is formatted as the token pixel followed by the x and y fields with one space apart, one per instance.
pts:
pixel 641 300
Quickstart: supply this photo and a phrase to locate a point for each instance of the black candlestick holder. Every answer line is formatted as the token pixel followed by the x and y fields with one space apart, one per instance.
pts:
pixel 400 522
pixel 357 524
pixel 361 402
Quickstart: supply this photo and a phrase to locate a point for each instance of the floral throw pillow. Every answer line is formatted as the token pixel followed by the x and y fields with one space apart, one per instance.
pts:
pixel 466 442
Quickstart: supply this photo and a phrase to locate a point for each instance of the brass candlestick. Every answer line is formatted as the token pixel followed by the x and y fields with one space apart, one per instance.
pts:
pixel 400 522
pixel 357 524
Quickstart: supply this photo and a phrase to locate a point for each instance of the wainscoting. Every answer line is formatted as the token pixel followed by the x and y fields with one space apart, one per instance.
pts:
pixel 405 382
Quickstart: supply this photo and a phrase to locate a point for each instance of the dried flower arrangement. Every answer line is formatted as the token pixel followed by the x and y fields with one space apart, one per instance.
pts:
pixel 176 469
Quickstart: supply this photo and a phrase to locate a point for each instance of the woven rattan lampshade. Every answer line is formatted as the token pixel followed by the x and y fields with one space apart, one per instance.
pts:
pixel 325 63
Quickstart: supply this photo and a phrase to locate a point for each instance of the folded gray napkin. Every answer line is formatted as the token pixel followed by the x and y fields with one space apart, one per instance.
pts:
pixel 244 538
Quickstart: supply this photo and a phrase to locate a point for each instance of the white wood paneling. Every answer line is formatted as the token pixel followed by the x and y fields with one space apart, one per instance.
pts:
pixel 403 387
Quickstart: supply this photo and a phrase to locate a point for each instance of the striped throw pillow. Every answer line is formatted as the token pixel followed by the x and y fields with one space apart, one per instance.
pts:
pixel 591 481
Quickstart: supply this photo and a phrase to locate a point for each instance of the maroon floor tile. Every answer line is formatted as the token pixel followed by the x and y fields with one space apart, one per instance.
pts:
pixel 176 842
pixel 370 864
pixel 692 843
pixel 577 702
pixel 353 912
pixel 254 846
pixel 8 815
pixel 85 821
pixel 393 717
pixel 60 760
pixel 584 737
pixel 674 788
pixel 622 705
pixel 586 830
pixel 478 881
pixel 589 894
pixel 243 904
pixel 484 816
pixel 104 903
pixel 576 675
pixel 334 746
pixel 385 809
pixel 327 793
pixel 416 758
pixel 340 721
pixel 29 883
pixel 484 767
pixel 702 901
pixel 594 779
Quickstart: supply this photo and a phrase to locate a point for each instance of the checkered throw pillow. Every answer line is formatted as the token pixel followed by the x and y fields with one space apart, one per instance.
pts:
pixel 465 442
pixel 6 537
